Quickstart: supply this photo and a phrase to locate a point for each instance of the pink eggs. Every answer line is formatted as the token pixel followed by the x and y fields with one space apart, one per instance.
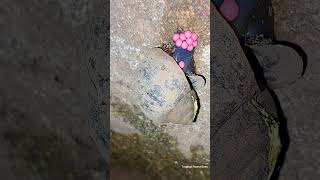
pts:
pixel 182 37
pixel 181 64
pixel 186 40
pixel 194 36
pixel 188 34
pixel 175 37
pixel 178 42
pixel 189 41
pixel 184 45
pixel 195 43
pixel 190 48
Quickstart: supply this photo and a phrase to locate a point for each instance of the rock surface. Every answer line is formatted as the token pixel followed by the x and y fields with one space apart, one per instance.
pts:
pixel 154 86
pixel 242 144
pixel 43 132
pixel 153 80
pixel 239 131
pixel 299 22
pixel 46 49
pixel 282 65
pixel 234 82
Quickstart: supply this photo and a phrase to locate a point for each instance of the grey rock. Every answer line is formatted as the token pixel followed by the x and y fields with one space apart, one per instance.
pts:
pixel 300 24
pixel 282 65
pixel 145 77
pixel 198 82
pixel 233 80
pixel 42 105
pixel 153 81
pixel 243 144
pixel 240 147
pixel 162 88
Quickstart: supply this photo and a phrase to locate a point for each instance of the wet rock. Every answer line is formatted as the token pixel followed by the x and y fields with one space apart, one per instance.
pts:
pixel 164 93
pixel 153 88
pixel 244 144
pixel 240 147
pixel 42 125
pixel 149 83
pixel 282 65
pixel 234 82
pixel 301 100
pixel 153 81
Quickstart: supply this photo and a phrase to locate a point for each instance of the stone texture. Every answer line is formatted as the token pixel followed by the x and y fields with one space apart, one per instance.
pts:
pixel 234 81
pixel 243 145
pixel 240 147
pixel 153 80
pixel 299 22
pixel 239 132
pixel 44 48
pixel 155 85
pixel 282 65
pixel 42 129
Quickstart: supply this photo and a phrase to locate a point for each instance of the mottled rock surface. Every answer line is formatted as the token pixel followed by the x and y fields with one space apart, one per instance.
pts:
pixel 242 147
pixel 243 143
pixel 282 65
pixel 153 81
pixel 298 22
pixel 44 48
pixel 43 133
pixel 149 85
pixel 234 82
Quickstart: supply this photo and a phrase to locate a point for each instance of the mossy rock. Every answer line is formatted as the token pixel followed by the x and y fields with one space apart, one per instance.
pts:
pixel 152 151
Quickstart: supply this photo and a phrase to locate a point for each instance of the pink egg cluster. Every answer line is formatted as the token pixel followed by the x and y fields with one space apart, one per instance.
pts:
pixel 181 64
pixel 186 40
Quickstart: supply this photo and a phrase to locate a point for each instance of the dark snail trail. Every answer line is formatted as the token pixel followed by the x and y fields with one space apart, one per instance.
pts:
pixel 196 95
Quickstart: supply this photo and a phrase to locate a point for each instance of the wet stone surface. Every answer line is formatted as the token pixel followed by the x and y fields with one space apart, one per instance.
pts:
pixel 300 101
pixel 153 81
pixel 41 74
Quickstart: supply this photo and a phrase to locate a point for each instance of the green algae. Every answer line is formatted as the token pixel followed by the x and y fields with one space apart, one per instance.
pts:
pixel 153 152
pixel 273 126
